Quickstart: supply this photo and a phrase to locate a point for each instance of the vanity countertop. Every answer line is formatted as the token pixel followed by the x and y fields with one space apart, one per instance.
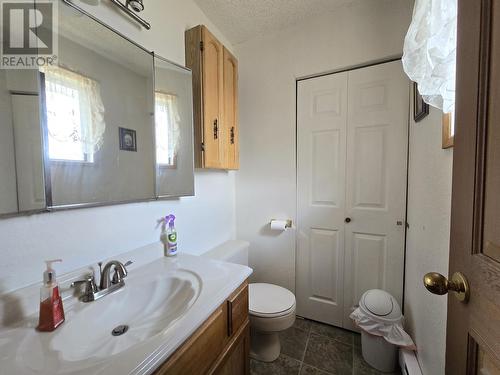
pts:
pixel 187 290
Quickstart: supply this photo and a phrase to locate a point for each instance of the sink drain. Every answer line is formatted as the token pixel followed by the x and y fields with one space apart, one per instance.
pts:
pixel 120 330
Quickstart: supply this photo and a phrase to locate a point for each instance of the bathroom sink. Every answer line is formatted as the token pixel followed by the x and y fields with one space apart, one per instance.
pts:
pixel 138 312
pixel 161 305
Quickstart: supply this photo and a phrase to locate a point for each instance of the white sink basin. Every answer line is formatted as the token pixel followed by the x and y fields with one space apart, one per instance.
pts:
pixel 162 303
pixel 146 308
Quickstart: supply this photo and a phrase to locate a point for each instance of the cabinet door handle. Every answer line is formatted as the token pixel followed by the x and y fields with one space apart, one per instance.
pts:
pixel 216 129
pixel 232 135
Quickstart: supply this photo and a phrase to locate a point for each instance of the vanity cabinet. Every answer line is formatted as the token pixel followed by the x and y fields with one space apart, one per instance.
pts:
pixel 220 346
pixel 215 100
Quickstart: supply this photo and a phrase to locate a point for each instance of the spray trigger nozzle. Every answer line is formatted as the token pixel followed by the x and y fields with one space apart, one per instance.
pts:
pixel 170 220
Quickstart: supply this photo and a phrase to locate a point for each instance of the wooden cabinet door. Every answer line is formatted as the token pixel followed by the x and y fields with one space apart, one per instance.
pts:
pixel 236 360
pixel 231 144
pixel 212 95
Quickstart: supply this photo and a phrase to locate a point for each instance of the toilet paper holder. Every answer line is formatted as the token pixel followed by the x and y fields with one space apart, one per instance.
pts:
pixel 289 223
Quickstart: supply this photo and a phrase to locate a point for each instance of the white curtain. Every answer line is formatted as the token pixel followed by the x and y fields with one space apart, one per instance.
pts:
pixel 76 101
pixel 167 121
pixel 429 54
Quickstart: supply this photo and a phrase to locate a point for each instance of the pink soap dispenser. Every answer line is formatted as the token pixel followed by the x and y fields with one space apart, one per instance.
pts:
pixel 51 305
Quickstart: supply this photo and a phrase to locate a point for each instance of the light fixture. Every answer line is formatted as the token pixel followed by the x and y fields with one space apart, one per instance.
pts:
pixel 131 7
pixel 136 5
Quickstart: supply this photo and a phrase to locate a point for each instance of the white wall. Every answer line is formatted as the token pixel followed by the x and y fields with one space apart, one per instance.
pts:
pixel 266 186
pixel 88 235
pixel 269 65
pixel 429 208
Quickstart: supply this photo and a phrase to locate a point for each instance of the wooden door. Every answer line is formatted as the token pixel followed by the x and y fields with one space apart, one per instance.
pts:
pixel 230 118
pixel 377 143
pixel 321 158
pixel 473 329
pixel 212 72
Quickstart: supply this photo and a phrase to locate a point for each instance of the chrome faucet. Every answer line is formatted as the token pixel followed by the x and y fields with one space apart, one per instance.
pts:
pixel 107 284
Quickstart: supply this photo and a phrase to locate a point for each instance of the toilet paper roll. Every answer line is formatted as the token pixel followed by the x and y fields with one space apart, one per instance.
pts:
pixel 279 225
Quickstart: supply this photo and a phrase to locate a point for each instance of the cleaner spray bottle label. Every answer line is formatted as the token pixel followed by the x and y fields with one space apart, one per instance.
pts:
pixel 172 244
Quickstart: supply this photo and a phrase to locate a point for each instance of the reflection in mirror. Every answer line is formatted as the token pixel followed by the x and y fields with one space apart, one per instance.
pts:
pixel 97 112
pixel 21 167
pixel 174 129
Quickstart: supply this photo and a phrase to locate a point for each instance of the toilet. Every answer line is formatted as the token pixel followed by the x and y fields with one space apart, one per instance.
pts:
pixel 271 307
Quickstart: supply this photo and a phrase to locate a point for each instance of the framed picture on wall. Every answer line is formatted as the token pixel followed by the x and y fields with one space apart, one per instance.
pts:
pixel 420 108
pixel 128 139
pixel 448 129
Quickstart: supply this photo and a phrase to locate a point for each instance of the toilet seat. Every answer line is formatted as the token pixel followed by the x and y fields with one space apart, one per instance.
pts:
pixel 270 301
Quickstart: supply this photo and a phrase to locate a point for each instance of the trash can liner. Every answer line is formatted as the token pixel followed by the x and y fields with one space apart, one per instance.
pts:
pixel 392 332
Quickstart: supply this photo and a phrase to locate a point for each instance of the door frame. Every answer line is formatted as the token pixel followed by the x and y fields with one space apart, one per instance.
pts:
pixel 375 62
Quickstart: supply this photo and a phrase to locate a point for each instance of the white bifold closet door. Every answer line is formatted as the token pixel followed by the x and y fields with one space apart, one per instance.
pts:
pixel 352 138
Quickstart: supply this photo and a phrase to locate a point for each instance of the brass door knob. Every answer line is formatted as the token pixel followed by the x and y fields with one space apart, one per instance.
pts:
pixel 438 284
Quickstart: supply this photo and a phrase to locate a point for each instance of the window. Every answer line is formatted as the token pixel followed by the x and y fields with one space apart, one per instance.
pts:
pixel 75 115
pixel 167 129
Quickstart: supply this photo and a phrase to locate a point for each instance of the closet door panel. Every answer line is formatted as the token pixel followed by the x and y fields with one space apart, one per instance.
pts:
pixel 377 138
pixel 321 148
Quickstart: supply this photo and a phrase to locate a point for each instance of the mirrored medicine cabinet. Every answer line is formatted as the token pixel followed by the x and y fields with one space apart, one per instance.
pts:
pixel 109 123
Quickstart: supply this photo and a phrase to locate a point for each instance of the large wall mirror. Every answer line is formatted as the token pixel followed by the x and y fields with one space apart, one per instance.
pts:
pixel 95 128
pixel 97 110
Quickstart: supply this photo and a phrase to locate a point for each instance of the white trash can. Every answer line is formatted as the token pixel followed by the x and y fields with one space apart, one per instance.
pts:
pixel 378 353
pixel 380 320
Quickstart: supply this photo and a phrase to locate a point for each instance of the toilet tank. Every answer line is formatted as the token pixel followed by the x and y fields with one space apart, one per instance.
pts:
pixel 233 251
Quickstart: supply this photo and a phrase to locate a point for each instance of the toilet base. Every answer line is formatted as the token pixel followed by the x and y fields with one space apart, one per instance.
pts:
pixel 264 346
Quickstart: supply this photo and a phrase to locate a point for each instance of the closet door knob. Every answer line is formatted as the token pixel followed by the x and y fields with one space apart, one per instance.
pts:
pixel 347 220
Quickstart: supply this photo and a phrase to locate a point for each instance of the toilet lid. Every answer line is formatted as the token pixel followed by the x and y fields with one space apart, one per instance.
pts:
pixel 269 300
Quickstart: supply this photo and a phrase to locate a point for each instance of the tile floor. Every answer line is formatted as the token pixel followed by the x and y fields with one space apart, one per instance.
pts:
pixel 311 348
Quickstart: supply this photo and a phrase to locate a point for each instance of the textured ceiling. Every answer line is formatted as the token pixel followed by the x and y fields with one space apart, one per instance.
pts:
pixel 240 20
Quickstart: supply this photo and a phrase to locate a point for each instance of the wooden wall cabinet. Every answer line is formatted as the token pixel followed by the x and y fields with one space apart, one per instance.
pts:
pixel 215 98
pixel 221 346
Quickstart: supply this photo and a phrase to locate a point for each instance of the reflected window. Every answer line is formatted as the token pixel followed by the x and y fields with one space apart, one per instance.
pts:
pixel 75 115
pixel 167 129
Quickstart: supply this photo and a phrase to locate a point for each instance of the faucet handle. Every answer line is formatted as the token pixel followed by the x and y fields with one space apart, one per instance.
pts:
pixel 90 285
pixel 120 273
pixel 88 279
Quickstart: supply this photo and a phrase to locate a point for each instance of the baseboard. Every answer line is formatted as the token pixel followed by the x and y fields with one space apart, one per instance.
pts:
pixel 408 362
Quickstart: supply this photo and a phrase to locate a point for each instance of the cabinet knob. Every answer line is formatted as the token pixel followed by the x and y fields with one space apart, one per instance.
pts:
pixel 347 220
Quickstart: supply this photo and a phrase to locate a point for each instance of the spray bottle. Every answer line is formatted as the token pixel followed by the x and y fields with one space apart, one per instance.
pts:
pixel 168 235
